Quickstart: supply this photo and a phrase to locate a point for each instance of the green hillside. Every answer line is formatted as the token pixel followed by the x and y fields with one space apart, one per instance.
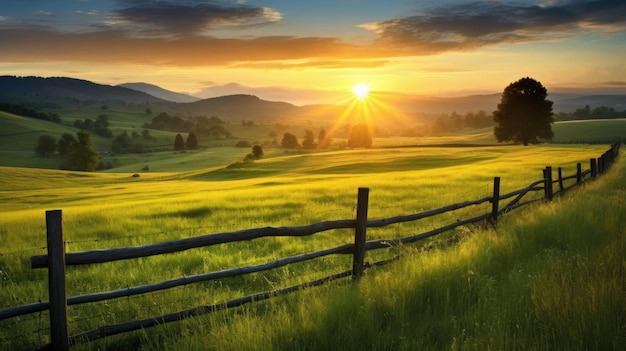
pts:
pixel 19 136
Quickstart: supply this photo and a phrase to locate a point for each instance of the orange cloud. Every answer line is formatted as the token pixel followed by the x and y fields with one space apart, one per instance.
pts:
pixel 36 44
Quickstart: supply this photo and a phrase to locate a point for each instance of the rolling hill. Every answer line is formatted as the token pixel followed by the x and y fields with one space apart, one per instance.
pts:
pixel 62 92
pixel 159 92
pixel 66 91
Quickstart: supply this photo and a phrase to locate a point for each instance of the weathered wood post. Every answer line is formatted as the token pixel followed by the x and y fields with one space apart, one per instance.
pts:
pixel 360 233
pixel 579 173
pixel 560 173
pixel 547 175
pixel 600 165
pixel 592 164
pixel 56 280
pixel 496 200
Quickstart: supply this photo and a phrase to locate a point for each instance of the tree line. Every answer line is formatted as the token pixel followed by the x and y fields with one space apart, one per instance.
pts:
pixel 446 123
pixel 200 125
pixel 77 152
pixel 602 112
pixel 29 112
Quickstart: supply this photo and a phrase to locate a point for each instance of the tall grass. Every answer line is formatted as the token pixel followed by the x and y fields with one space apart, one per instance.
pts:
pixel 551 277
pixel 113 210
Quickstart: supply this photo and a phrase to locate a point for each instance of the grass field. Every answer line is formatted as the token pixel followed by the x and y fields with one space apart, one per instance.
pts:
pixel 455 287
pixel 19 137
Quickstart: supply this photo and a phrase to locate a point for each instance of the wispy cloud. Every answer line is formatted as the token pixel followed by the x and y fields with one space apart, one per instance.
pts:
pixel 471 25
pixel 191 18
pixel 43 13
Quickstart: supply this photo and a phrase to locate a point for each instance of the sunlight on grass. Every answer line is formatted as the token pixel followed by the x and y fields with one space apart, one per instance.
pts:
pixel 497 278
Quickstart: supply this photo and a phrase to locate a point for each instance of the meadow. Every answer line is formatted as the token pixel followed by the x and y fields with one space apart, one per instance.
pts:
pixel 501 289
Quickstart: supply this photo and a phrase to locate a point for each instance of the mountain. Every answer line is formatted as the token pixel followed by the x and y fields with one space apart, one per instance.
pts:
pixel 37 92
pixel 296 96
pixel 67 90
pixel 159 92
pixel 570 103
pixel 242 106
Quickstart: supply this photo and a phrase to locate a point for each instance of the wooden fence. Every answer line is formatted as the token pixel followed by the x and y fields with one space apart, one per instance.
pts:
pixel 57 260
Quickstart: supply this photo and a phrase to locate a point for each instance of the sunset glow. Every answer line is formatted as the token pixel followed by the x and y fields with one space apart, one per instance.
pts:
pixel 361 91
pixel 296 52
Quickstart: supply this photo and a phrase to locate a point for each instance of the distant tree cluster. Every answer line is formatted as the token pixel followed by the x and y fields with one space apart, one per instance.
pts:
pixel 164 121
pixel 78 152
pixel 601 112
pixel 447 123
pixel 212 127
pixel 29 112
pixel 125 144
pixel 290 140
pixel 99 127
pixel 191 143
pixel 201 125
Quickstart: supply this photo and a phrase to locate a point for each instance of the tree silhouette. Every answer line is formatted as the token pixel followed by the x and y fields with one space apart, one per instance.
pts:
pixel 523 114
pixel 309 140
pixel 179 143
pixel 46 146
pixel 257 151
pixel 82 156
pixel 289 140
pixel 360 136
pixel 323 139
pixel 65 144
pixel 192 141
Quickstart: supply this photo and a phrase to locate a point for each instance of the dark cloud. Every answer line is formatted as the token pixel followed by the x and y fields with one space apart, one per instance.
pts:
pixel 179 17
pixel 471 25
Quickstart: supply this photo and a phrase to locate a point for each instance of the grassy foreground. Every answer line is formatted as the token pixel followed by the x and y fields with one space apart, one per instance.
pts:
pixel 493 290
pixel 551 277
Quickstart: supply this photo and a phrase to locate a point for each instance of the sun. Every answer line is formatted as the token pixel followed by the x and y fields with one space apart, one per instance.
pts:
pixel 361 90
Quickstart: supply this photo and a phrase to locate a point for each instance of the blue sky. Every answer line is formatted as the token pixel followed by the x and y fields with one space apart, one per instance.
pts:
pixel 310 50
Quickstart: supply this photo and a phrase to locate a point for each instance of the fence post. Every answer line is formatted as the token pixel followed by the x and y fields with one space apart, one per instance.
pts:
pixel 592 164
pixel 600 164
pixel 496 199
pixel 579 173
pixel 360 233
pixel 56 280
pixel 560 179
pixel 547 175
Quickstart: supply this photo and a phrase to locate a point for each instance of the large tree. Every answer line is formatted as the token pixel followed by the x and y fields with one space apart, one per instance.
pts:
pixel 524 114
pixel 82 156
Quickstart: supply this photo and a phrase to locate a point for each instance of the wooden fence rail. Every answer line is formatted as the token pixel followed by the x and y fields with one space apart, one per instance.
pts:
pixel 56 260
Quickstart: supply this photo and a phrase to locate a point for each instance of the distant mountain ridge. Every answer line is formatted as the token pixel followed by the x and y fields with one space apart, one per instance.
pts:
pixel 69 88
pixel 159 92
pixel 244 107
pixel 62 91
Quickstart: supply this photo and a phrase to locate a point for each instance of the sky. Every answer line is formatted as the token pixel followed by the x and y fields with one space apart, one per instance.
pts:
pixel 316 51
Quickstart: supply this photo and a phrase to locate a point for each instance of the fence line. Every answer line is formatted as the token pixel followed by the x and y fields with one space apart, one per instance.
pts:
pixel 57 260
